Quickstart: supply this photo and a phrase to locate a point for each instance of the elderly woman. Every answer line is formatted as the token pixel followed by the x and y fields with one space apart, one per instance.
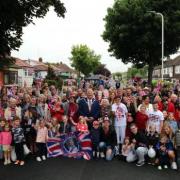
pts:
pixel 105 108
pixel 42 108
pixel 12 110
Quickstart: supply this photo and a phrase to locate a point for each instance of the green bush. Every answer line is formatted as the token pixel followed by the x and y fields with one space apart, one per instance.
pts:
pixel 58 82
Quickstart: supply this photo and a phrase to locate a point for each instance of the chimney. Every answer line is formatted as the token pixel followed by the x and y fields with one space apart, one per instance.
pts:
pixel 40 59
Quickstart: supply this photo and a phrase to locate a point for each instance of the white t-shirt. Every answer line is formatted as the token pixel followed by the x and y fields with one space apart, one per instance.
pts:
pixel 148 108
pixel 120 114
pixel 155 118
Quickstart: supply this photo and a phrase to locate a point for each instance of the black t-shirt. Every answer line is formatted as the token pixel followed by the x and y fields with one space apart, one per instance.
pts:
pixel 141 139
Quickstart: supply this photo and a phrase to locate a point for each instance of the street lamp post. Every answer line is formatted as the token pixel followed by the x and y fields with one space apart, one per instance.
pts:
pixel 162 58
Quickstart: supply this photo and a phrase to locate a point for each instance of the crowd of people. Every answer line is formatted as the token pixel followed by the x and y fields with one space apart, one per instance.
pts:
pixel 135 123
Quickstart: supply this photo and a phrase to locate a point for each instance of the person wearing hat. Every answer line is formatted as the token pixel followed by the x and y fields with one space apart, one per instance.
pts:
pixel 108 140
pixel 120 120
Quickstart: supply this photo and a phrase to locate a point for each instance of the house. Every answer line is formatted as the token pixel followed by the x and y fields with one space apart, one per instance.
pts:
pixel 40 68
pixel 19 73
pixel 171 70
pixel 66 72
pixel 25 73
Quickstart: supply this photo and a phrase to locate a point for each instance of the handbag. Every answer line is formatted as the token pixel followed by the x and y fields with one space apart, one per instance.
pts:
pixel 13 154
pixel 26 149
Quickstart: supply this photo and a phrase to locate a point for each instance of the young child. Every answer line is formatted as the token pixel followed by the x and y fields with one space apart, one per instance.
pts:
pixel 65 126
pixel 163 147
pixel 126 149
pixel 18 139
pixel 152 139
pixel 54 128
pixel 6 139
pixel 95 138
pixel 82 126
pixel 172 122
pixel 2 125
pixel 41 139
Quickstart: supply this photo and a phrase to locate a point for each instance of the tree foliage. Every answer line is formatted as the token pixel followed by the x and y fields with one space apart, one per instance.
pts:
pixel 101 69
pixel 84 59
pixel 117 75
pixel 16 14
pixel 137 72
pixel 53 79
pixel 134 35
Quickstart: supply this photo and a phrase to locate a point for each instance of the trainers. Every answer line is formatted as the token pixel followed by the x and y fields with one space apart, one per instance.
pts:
pixel 116 150
pixel 38 159
pixel 174 165
pixel 102 155
pixel 21 163
pixel 9 161
pixel 165 167
pixel 140 163
pixel 159 168
pixel 97 154
pixel 44 158
pixel 17 162
pixel 5 162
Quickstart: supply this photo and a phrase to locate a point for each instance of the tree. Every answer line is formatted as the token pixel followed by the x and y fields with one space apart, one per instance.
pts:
pixel 117 75
pixel 84 59
pixel 101 69
pixel 50 73
pixel 134 35
pixel 137 72
pixel 16 14
pixel 53 79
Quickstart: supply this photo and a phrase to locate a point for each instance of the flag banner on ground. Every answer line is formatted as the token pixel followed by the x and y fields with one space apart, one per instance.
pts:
pixel 76 145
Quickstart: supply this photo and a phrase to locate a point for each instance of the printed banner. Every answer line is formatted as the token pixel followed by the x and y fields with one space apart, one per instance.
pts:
pixel 76 145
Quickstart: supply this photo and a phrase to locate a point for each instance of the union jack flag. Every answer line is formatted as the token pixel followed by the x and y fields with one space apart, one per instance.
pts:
pixel 76 145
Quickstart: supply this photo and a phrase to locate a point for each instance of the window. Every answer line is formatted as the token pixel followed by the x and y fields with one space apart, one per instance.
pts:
pixel 177 69
pixel 25 72
pixel 10 77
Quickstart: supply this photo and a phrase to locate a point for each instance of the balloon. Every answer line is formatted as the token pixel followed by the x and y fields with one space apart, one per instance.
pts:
pixel 151 153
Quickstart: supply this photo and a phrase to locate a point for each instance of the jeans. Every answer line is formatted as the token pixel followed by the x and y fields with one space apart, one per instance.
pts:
pixel 109 151
pixel 42 151
pixel 120 133
pixel 139 154
pixel 19 151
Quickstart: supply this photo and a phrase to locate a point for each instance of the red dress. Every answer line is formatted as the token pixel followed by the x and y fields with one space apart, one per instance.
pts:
pixel 57 112
pixel 141 120
pixel 72 112
pixel 81 127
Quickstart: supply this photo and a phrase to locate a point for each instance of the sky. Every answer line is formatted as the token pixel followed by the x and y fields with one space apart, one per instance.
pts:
pixel 52 37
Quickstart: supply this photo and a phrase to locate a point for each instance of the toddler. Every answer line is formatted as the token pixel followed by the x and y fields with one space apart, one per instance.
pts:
pixel 18 139
pixel 41 139
pixel 6 139
pixel 95 138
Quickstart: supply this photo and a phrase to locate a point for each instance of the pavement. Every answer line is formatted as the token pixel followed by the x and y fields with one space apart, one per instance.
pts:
pixel 70 169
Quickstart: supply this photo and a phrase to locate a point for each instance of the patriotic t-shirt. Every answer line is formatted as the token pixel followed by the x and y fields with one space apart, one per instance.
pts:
pixel 155 118
pixel 120 111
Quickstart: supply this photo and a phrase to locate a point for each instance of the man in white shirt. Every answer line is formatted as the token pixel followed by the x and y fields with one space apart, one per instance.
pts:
pixel 120 119
pixel 156 118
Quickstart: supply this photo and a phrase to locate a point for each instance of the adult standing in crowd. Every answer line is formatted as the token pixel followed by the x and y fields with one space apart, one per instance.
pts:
pixel 89 108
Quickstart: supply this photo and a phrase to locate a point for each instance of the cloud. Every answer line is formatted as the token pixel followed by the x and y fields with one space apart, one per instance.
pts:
pixel 52 38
